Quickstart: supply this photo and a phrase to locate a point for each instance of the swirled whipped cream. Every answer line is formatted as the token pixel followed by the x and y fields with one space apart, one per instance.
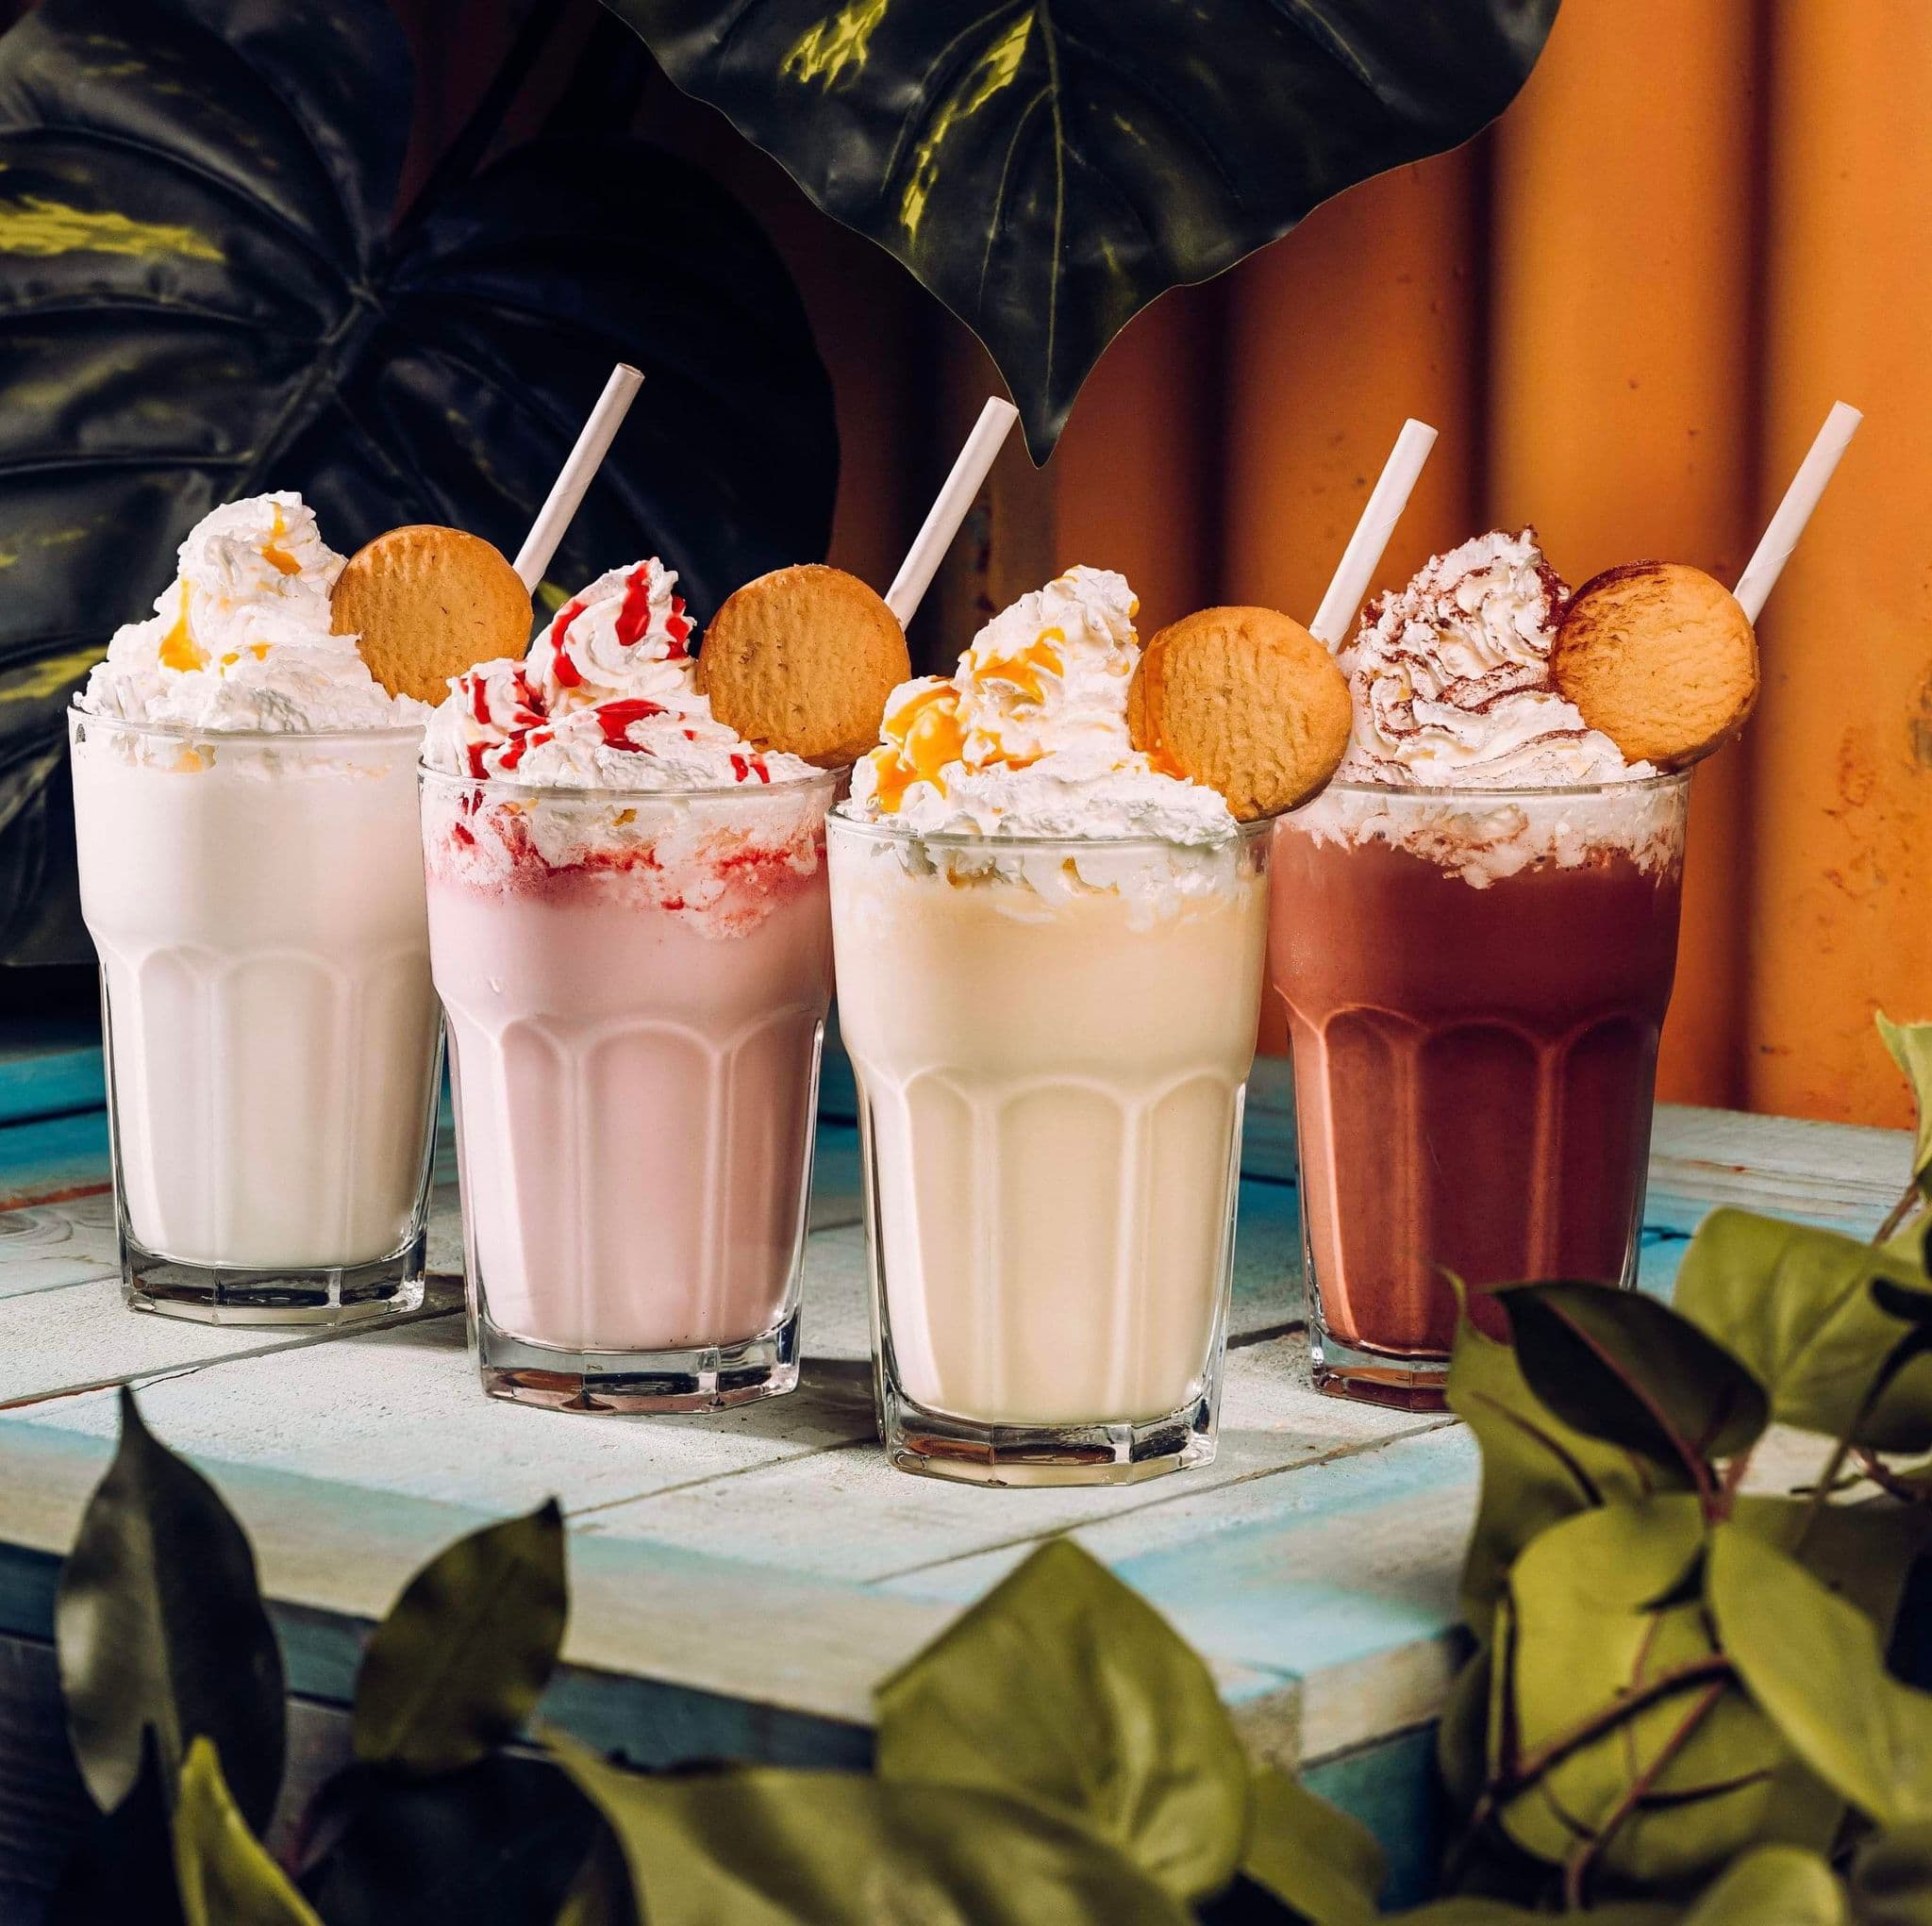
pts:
pixel 607 699
pixel 1028 736
pixel 240 639
pixel 1452 682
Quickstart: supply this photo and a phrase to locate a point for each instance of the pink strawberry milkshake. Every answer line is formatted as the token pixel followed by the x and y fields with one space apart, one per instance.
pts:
pixel 629 932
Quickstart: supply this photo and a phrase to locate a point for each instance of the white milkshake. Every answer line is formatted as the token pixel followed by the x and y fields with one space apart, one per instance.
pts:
pixel 250 874
pixel 1049 959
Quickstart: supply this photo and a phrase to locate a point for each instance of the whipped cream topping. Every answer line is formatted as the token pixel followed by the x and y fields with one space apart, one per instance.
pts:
pixel 607 699
pixel 1452 684
pixel 1029 736
pixel 240 639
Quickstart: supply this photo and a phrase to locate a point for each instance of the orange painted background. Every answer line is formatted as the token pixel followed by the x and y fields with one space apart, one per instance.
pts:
pixel 1626 308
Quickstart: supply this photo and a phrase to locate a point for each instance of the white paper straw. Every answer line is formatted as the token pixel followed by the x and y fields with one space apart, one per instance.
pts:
pixel 951 507
pixel 573 480
pixel 1363 554
pixel 1781 536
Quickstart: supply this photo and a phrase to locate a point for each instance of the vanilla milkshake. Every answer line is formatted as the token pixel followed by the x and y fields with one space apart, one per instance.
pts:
pixel 250 876
pixel 1049 959
pixel 1476 927
pixel 630 933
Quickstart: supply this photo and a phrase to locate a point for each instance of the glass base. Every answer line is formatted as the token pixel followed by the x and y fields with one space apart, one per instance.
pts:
pixel 936 1444
pixel 706 1377
pixel 233 1294
pixel 1374 1377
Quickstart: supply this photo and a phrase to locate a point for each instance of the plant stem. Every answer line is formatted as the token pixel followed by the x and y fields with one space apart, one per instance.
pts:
pixel 1901 1214
pixel 1890 1481
pixel 1576 1873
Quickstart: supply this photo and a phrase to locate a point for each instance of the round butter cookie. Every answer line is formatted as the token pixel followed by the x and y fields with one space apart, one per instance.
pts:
pixel 1661 658
pixel 1245 700
pixel 802 660
pixel 428 602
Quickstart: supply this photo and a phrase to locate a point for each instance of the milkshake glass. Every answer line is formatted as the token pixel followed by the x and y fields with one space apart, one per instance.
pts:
pixel 1476 982
pixel 636 986
pixel 245 818
pixel 1051 1039
pixel 1475 931
pixel 631 939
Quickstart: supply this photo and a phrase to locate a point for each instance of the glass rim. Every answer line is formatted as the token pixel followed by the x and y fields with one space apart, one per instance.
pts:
pixel 883 831
pixel 393 732
pixel 509 789
pixel 1476 795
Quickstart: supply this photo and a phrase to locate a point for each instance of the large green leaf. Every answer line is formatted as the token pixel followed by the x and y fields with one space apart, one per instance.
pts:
pixel 766 1847
pixel 1536 1469
pixel 224 1873
pixel 1047 171
pixel 1776 1886
pixel 1604 1615
pixel 201 297
pixel 1620 1367
pixel 1064 1687
pixel 161 1627
pixel 1796 1304
pixel 1325 1866
pixel 466 1651
pixel 1814 1662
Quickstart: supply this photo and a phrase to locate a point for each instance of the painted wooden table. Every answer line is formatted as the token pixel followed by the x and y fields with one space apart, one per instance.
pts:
pixel 740 1582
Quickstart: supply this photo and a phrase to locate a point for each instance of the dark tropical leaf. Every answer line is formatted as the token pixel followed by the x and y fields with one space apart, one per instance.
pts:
pixel 122 1871
pixel 1814 1662
pixel 1796 1304
pixel 1777 1885
pixel 1536 1469
pixel 1064 1687
pixel 159 1624
pixel 1047 172
pixel 1911 1049
pixel 499 1843
pixel 1891 1878
pixel 1323 1865
pixel 1624 1368
pixel 200 297
pixel 601 1894
pixel 225 1874
pixel 769 1848
pixel 1481 1911
pixel 464 1654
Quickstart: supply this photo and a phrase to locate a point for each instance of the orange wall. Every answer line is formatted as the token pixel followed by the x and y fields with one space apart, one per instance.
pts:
pixel 1626 308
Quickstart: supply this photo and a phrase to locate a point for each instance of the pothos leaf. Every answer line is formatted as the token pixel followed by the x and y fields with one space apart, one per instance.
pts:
pixel 1047 171
pixel 1536 1469
pixel 201 297
pixel 159 1626
pixel 1776 1886
pixel 458 1664
pixel 1060 1665
pixel 1911 1049
pixel 763 1846
pixel 225 1874
pixel 1620 1367
pixel 1323 1865
pixel 1796 1304
pixel 1813 1661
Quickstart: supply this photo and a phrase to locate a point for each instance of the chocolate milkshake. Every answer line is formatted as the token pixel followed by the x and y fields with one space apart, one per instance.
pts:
pixel 1475 932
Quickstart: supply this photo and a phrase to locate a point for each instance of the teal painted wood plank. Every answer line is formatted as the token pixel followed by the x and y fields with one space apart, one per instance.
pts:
pixel 50 1076
pixel 1392 1787
pixel 52 1157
